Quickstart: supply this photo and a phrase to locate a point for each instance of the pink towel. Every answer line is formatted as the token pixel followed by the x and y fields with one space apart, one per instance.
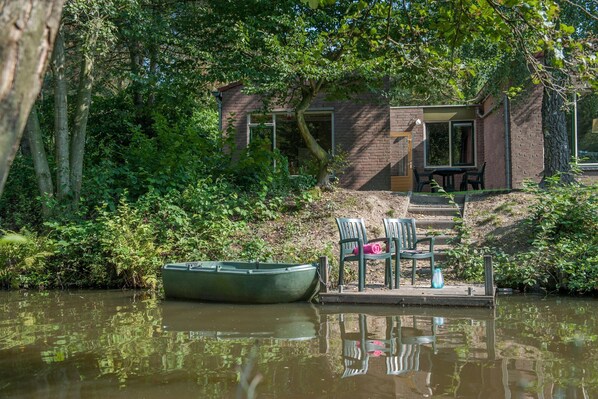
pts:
pixel 373 248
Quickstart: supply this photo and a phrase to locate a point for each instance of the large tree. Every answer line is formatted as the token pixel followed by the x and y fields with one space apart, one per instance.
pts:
pixel 107 48
pixel 290 52
pixel 28 30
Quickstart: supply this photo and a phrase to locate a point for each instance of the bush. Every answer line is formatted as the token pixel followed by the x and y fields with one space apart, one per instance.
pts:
pixel 24 260
pixel 128 242
pixel 78 259
pixel 563 246
pixel 564 222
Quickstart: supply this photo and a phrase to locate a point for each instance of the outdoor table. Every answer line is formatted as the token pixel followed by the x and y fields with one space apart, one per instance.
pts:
pixel 448 176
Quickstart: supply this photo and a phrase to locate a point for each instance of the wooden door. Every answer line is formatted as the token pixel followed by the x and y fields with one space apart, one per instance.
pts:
pixel 401 175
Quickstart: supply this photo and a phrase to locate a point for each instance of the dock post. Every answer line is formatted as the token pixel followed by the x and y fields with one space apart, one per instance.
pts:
pixel 324 274
pixel 488 276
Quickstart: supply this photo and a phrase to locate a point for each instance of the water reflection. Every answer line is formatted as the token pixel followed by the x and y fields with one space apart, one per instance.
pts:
pixel 122 344
pixel 294 321
pixel 455 353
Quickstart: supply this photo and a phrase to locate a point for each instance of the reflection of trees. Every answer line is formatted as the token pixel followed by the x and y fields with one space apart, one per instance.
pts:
pixel 91 344
pixel 560 334
pixel 98 340
pixel 532 349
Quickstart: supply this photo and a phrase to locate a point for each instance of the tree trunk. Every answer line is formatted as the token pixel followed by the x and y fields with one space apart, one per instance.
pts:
pixel 313 146
pixel 136 62
pixel 86 79
pixel 61 125
pixel 40 161
pixel 28 30
pixel 556 141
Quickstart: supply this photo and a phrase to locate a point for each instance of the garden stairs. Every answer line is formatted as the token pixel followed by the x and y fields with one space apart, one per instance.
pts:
pixel 434 216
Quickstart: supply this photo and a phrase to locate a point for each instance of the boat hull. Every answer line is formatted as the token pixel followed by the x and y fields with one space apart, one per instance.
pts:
pixel 240 282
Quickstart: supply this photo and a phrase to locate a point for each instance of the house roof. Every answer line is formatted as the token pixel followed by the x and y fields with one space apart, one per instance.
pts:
pixel 229 86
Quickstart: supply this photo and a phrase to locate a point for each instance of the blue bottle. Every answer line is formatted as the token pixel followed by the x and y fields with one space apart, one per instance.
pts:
pixel 437 279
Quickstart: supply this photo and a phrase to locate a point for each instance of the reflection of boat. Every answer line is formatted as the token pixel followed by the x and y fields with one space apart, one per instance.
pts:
pixel 283 321
pixel 240 282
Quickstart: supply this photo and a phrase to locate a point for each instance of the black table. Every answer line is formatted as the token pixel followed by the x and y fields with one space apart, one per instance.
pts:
pixel 448 176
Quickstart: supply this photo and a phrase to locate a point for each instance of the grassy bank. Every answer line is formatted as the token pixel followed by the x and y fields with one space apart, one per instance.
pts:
pixel 540 239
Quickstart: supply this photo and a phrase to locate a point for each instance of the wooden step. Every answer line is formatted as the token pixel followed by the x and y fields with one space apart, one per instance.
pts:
pixel 436 224
pixel 433 210
pixel 435 199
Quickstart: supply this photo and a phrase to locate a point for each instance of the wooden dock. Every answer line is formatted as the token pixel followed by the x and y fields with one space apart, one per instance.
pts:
pixel 461 295
pixel 455 295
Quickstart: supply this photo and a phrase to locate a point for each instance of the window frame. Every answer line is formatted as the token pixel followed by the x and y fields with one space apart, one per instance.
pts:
pixel 274 115
pixel 575 147
pixel 450 123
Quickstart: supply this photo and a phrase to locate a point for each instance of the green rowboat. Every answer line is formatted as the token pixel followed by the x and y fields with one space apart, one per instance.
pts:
pixel 240 282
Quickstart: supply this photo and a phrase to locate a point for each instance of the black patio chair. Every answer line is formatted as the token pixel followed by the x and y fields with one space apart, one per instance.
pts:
pixel 475 178
pixel 420 183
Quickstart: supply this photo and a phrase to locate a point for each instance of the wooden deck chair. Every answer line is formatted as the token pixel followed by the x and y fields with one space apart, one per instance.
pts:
pixel 352 240
pixel 403 238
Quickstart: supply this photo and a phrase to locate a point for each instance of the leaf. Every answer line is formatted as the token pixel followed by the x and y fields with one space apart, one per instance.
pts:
pixel 14 239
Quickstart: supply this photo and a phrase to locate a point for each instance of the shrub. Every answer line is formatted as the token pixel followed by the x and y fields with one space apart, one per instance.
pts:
pixel 78 259
pixel 564 222
pixel 24 260
pixel 129 245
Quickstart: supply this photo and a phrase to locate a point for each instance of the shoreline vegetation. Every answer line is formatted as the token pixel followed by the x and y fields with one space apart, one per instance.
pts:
pixel 541 239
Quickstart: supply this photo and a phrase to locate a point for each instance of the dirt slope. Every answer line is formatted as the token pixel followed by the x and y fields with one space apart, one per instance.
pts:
pixel 308 232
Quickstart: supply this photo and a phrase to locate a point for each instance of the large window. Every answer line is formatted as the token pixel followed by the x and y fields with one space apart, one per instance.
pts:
pixel 585 129
pixel 450 144
pixel 283 131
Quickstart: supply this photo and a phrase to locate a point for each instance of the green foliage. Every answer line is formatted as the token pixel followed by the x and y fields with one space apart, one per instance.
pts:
pixel 24 260
pixel 256 249
pixel 129 244
pixel 78 259
pixel 564 222
pixel 563 244
pixel 19 206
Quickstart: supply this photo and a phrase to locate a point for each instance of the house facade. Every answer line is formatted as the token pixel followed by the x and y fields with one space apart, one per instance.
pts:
pixel 384 144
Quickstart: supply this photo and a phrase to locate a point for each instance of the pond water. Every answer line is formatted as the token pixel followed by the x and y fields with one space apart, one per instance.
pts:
pixel 100 344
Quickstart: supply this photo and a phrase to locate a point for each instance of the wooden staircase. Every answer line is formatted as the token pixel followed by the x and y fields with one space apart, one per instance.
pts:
pixel 434 216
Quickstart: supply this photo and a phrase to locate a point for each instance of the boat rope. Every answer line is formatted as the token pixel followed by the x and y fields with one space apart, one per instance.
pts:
pixel 320 278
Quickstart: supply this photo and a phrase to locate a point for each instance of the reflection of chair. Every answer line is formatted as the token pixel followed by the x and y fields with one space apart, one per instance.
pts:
pixel 419 183
pixel 406 354
pixel 406 358
pixel 353 235
pixel 475 178
pixel 355 357
pixel 400 348
pixel 355 361
pixel 403 237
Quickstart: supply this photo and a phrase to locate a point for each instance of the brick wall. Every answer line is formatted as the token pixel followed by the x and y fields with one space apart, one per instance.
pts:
pixel 494 144
pixel 235 108
pixel 527 141
pixel 361 128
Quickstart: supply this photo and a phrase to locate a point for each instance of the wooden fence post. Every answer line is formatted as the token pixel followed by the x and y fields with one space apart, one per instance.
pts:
pixel 488 276
pixel 324 274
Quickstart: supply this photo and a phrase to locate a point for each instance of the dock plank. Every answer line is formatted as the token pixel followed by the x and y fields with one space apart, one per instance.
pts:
pixel 458 295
